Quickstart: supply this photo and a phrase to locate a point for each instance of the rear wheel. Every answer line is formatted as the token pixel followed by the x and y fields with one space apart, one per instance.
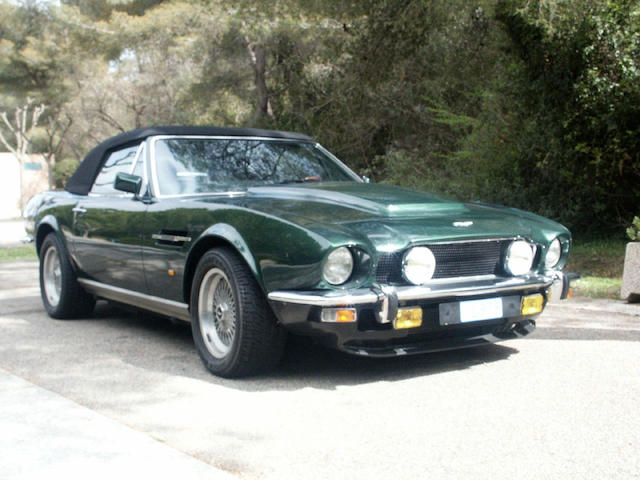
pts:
pixel 234 329
pixel 62 295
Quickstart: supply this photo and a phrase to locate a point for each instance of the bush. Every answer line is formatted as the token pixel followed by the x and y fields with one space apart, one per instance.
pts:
pixel 62 171
pixel 561 136
pixel 633 232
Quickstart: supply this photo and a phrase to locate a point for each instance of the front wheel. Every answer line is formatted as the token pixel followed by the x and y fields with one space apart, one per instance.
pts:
pixel 234 329
pixel 62 295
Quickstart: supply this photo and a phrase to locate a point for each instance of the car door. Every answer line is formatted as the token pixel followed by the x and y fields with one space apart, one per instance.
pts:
pixel 171 226
pixel 107 225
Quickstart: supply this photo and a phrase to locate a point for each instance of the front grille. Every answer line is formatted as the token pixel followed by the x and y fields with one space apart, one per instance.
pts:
pixel 463 259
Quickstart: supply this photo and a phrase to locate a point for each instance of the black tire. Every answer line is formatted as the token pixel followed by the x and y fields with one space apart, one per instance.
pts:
pixel 62 295
pixel 236 333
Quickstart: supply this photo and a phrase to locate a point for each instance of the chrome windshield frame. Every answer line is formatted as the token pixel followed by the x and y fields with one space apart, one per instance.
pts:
pixel 154 171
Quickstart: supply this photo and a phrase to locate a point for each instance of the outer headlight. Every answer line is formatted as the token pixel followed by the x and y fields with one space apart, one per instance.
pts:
pixel 519 258
pixel 553 254
pixel 418 265
pixel 338 266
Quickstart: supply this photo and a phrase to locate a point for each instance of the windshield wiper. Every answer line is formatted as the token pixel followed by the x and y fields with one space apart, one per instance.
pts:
pixel 300 180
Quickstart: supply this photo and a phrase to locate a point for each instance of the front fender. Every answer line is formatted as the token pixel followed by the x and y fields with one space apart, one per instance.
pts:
pixel 231 235
pixel 218 235
pixel 49 224
pixel 43 227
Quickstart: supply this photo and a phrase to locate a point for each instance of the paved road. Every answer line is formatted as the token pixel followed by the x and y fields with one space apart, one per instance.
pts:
pixel 563 403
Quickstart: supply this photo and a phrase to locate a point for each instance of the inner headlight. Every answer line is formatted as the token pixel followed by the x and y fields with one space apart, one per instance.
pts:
pixel 519 258
pixel 418 265
pixel 553 254
pixel 338 266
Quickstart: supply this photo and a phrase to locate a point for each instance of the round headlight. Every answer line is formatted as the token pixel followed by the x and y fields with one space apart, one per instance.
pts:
pixel 519 258
pixel 338 267
pixel 418 265
pixel 553 254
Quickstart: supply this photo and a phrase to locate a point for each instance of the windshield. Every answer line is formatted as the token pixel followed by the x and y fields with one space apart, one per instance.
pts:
pixel 202 165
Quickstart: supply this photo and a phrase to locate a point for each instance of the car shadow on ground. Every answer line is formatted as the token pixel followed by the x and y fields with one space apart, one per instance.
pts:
pixel 307 364
pixel 304 364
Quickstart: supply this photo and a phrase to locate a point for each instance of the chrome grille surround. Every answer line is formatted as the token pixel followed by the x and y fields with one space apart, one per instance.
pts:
pixel 456 259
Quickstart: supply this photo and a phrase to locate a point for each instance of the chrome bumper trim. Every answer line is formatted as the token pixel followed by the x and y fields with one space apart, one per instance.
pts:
pixel 406 293
pixel 561 285
pixel 326 299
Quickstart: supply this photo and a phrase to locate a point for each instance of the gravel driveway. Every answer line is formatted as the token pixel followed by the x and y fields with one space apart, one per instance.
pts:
pixel 562 403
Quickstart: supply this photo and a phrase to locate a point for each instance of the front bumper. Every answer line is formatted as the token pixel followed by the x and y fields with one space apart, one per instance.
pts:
pixel 373 333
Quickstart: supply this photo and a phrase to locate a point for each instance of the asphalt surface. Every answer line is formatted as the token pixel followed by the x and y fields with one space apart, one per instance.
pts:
pixel 562 403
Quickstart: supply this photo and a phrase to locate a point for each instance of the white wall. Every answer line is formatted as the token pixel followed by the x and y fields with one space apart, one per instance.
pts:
pixel 34 181
pixel 9 186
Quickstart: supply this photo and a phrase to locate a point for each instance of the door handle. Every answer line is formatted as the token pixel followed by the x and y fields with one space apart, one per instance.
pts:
pixel 170 239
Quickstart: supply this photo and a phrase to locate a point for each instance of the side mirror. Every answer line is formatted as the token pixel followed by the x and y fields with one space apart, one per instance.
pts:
pixel 128 183
pixel 366 179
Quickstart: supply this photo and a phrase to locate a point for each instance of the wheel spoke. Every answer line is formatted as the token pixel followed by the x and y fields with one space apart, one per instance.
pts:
pixel 217 312
pixel 52 276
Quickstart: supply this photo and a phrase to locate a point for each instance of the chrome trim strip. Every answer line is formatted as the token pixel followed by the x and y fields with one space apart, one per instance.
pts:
pixel 170 238
pixel 471 278
pixel 154 174
pixel 137 156
pixel 350 172
pixel 147 302
pixel 187 196
pixel 406 293
pixel 232 137
pixel 419 293
pixel 470 240
pixel 326 299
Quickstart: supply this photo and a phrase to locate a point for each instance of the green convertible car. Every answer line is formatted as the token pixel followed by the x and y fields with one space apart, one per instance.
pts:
pixel 250 233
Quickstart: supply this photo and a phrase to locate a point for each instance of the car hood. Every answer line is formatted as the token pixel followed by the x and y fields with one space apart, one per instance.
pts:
pixel 355 200
pixel 391 217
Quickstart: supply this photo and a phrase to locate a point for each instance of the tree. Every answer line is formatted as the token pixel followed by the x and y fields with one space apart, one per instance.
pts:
pixel 561 133
pixel 533 103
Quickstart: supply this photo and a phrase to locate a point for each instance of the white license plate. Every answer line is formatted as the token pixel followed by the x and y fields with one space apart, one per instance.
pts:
pixel 476 310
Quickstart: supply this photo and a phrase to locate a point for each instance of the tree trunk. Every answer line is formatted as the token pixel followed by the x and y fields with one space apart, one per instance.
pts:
pixel 50 160
pixel 258 56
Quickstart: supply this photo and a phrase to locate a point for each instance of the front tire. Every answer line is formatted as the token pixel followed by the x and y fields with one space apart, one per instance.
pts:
pixel 234 329
pixel 62 295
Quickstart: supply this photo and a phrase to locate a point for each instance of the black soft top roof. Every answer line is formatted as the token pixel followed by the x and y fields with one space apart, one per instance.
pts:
pixel 81 181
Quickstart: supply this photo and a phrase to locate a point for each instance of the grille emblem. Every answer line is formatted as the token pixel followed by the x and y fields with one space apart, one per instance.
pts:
pixel 463 224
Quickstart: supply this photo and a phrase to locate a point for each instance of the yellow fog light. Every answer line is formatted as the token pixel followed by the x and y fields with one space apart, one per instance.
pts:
pixel 532 304
pixel 408 318
pixel 338 315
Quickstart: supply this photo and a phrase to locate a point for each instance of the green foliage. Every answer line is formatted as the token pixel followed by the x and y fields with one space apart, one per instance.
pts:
pixel 28 64
pixel 400 86
pixel 633 232
pixel 597 257
pixel 598 287
pixel 530 103
pixel 563 135
pixel 62 171
pixel 12 254
pixel 600 262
